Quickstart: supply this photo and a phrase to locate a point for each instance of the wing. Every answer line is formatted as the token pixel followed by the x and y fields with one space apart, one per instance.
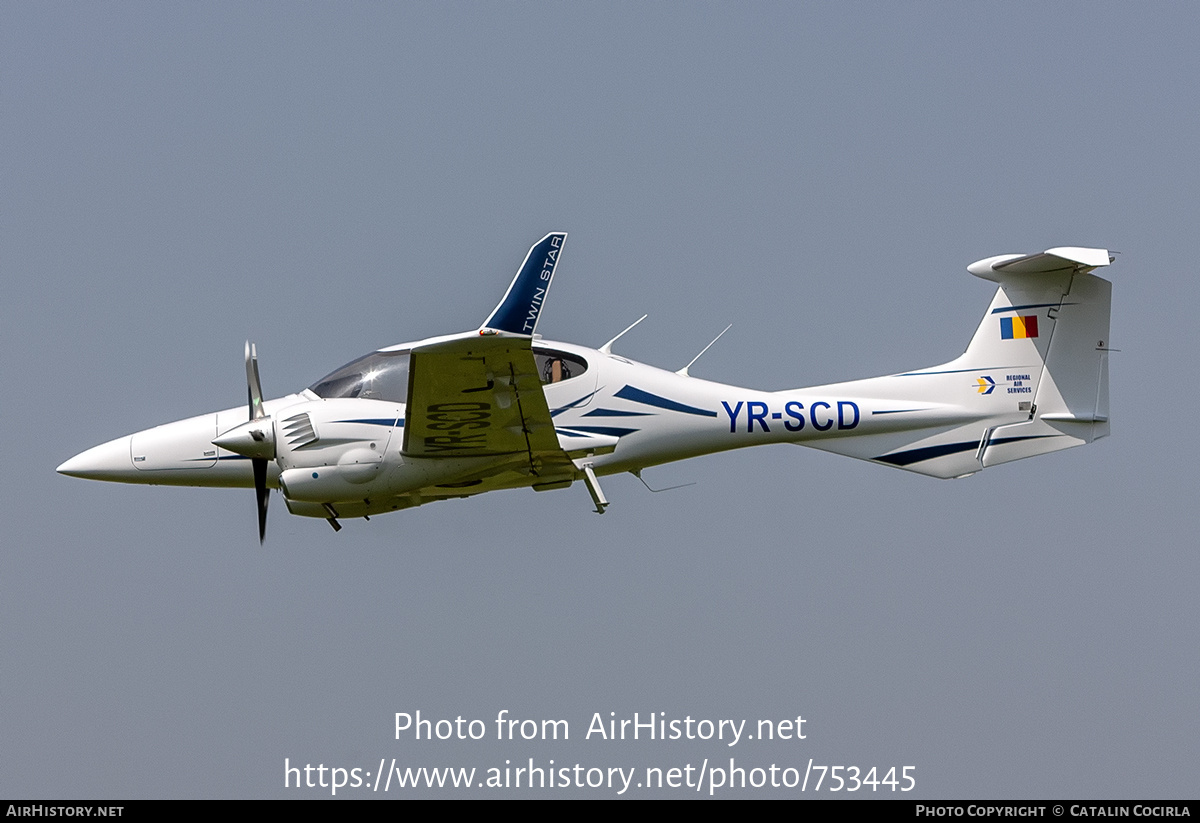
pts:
pixel 475 395
pixel 480 396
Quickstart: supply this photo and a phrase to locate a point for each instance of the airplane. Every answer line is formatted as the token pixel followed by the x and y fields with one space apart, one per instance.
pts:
pixel 498 407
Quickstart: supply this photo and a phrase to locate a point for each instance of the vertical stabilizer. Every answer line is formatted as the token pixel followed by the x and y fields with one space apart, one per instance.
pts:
pixel 1051 304
pixel 1071 404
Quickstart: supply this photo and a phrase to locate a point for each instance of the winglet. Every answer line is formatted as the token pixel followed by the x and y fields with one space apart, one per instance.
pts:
pixel 522 304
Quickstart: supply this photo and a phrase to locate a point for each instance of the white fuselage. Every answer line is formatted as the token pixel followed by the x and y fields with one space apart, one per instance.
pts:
pixel 500 408
pixel 347 452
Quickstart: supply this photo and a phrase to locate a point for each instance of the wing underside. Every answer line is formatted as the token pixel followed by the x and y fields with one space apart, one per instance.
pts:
pixel 480 396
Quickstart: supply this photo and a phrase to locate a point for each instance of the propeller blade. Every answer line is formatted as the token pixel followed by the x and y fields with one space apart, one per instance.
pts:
pixel 263 494
pixel 255 395
pixel 254 387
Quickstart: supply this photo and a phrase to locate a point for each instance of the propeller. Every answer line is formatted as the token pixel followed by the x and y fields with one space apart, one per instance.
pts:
pixel 255 395
pixel 254 439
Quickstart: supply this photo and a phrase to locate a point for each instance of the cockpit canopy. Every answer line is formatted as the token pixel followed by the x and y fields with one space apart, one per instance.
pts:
pixel 383 375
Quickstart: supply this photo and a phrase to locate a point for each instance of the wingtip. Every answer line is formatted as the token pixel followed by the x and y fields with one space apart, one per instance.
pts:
pixel 521 306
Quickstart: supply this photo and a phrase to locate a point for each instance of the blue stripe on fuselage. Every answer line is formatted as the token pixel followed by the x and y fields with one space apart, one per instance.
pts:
pixel 640 396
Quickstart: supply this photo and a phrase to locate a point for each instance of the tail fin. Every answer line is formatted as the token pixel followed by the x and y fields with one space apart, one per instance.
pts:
pixel 1033 380
pixel 1054 305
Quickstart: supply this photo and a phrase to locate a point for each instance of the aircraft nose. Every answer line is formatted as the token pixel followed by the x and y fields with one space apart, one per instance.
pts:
pixel 108 461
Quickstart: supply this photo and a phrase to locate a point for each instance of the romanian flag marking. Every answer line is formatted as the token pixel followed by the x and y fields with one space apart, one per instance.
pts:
pixel 1018 328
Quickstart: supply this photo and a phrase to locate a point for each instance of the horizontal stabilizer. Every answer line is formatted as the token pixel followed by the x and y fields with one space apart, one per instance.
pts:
pixel 1065 259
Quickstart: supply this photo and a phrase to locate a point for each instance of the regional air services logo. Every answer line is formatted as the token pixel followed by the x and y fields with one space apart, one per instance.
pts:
pixel 1012 384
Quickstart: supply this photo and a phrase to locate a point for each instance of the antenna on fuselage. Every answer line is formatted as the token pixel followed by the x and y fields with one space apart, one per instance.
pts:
pixel 638 474
pixel 684 370
pixel 607 347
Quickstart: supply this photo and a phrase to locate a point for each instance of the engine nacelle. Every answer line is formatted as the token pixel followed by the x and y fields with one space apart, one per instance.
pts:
pixel 348 480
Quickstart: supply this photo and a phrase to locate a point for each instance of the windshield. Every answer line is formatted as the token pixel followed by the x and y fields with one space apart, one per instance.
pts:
pixel 381 375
